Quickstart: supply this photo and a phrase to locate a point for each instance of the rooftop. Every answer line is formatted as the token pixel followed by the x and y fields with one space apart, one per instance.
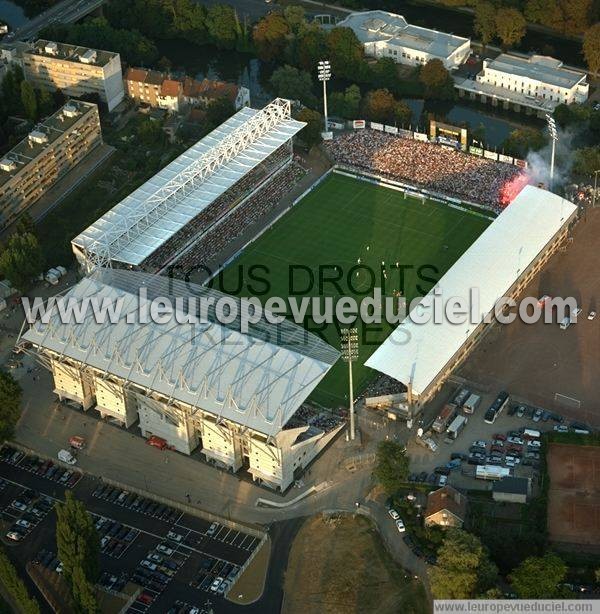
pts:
pixel 381 26
pixel 515 486
pixel 71 53
pixel 146 219
pixel 538 68
pixel 258 379
pixel 446 498
pixel 51 128
pixel 417 353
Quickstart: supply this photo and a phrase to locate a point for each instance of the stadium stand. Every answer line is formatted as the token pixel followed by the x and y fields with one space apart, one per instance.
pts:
pixel 426 165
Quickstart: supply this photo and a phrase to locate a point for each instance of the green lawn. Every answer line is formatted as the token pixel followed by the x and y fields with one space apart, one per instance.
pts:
pixel 338 223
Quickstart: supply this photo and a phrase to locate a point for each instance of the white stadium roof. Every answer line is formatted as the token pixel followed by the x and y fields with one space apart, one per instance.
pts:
pixel 416 353
pixel 136 227
pixel 258 379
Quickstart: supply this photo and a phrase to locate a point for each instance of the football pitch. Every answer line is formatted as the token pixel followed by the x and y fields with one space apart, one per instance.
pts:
pixel 343 239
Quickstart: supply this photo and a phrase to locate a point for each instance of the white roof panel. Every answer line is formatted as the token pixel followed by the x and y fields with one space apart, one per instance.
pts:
pixel 417 353
pixel 116 233
pixel 257 379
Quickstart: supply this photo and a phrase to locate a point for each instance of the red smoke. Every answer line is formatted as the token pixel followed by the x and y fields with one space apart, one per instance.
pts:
pixel 510 190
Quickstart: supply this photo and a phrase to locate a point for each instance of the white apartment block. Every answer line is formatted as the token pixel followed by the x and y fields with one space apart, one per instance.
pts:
pixel 74 70
pixel 388 35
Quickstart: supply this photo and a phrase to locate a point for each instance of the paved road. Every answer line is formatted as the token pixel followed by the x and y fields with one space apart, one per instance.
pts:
pixel 67 11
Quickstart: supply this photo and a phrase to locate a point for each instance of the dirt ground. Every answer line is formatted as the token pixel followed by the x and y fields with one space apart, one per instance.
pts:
pixel 339 565
pixel 574 496
pixel 553 368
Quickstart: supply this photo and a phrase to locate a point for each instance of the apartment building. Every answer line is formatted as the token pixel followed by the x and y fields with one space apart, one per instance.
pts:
pixel 74 70
pixel 53 148
pixel 157 90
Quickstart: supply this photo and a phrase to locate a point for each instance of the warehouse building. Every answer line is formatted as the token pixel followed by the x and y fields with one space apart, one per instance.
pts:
pixel 75 71
pixel 500 263
pixel 386 35
pixel 511 490
pixel 52 149
pixel 239 396
pixel 536 83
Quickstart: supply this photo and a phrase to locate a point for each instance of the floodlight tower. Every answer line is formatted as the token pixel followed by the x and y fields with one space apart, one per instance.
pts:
pixel 324 70
pixel 554 136
pixel 349 346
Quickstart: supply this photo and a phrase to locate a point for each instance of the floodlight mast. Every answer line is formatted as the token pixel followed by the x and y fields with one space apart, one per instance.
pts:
pixel 554 137
pixel 349 347
pixel 324 72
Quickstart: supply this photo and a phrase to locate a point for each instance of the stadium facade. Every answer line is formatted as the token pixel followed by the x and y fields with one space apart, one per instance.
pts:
pixel 239 396
pixel 188 200
pixel 500 263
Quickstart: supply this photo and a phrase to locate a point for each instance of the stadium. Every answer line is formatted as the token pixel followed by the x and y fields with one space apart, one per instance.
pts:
pixel 414 214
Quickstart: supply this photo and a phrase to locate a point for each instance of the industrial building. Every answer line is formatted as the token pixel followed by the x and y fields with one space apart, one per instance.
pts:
pixel 239 396
pixel 386 35
pixel 74 70
pixel 180 206
pixel 51 149
pixel 536 83
pixel 511 490
pixel 500 263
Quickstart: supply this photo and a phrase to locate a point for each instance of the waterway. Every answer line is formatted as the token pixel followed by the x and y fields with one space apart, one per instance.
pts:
pixel 12 14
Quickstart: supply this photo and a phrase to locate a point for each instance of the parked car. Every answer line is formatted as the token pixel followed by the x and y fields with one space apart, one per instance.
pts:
pixel 157 442
pixel 14 536
pixel 561 428
pixel 165 549
pixel 394 514
pixel 400 526
pixel 515 440
pixel 537 415
pixel 442 480
pixel 479 444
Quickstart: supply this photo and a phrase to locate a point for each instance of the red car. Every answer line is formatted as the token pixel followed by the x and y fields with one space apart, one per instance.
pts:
pixel 513 447
pixel 499 436
pixel 145 598
pixel 157 442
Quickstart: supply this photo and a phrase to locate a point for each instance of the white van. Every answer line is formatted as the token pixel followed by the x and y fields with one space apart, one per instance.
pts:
pixel 66 457
pixel 531 434
pixel 566 322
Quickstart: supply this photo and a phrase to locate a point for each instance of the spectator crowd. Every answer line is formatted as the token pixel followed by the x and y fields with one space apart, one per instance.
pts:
pixel 427 165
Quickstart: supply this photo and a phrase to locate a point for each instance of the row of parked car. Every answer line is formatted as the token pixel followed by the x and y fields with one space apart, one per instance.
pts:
pixel 112 583
pixel 115 537
pixel 43 468
pixel 215 575
pixel 26 512
pixel 136 503
pixel 49 560
pixel 156 570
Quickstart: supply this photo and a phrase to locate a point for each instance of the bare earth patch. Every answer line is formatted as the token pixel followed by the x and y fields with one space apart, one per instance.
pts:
pixel 339 565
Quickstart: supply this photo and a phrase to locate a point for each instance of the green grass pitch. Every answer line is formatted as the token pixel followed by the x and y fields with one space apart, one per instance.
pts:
pixel 340 222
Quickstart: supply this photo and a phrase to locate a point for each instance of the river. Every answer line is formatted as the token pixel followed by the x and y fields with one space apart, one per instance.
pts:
pixel 12 14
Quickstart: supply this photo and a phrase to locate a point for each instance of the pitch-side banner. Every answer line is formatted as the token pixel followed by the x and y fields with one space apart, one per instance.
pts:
pixel 491 155
pixel 507 159
pixel 520 163
pixel 376 126
pixel 391 129
pixel 420 136
pixel 476 151
pixel 359 124
pixel 405 134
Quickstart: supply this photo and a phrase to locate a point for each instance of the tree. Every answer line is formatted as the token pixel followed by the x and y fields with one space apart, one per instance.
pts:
pixel 289 82
pixel 29 100
pixel 591 48
pixel 219 111
pixel 546 12
pixel 485 22
pixel 295 16
pixel 270 35
pixel 79 551
pixel 10 405
pixel 437 80
pixel 576 15
pixel 379 106
pixel 523 140
pixel 45 103
pixel 510 26
pixel 385 74
pixel 347 103
pixel 15 587
pixel 345 52
pixel 402 113
pixel 22 260
pixel 586 161
pixel 392 466
pixel 463 568
pixel 223 26
pixel 539 577
pixel 312 47
pixel 311 133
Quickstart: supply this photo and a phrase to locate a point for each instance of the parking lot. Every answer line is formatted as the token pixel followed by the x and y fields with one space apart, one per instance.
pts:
pixel 503 443
pixel 181 562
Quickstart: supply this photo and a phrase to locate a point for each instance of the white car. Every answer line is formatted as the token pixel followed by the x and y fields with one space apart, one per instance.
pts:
pixel 212 529
pixel 537 416
pixel 534 443
pixel 176 537
pixel 214 587
pixel 479 444
pixel 156 558
pixel 400 526
pixel 18 505
pixel 23 523
pixel 442 480
pixel 148 565
pixel 16 537
pixel 515 460
pixel 561 428
pixel 165 549
pixel 591 315
pixel 394 514
pixel 515 440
